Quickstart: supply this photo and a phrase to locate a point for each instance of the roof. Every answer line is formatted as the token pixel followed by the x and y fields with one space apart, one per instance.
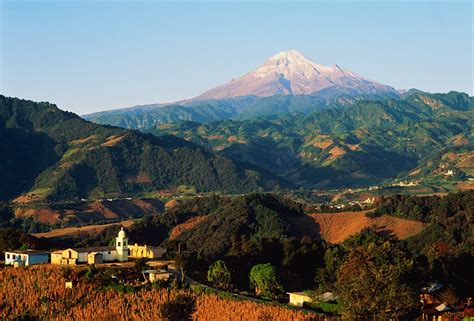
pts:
pixel 90 249
pixel 28 252
pixel 299 293
pixel 432 287
pixel 443 307
pixel 327 297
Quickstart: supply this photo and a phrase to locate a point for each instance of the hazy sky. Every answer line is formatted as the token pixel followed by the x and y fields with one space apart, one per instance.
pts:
pixel 88 56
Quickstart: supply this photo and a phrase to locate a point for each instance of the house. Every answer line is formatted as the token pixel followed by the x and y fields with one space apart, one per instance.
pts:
pixel 26 258
pixel 157 275
pixel 143 251
pixel 94 255
pixel 298 299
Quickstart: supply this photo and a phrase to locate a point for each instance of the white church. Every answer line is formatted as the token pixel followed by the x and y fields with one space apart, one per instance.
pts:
pixel 96 255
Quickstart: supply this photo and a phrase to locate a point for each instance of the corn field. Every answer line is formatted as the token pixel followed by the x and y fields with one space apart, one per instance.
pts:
pixel 40 293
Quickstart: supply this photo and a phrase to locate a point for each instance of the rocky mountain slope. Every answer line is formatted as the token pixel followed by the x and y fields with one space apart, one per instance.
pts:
pixel 291 73
pixel 287 83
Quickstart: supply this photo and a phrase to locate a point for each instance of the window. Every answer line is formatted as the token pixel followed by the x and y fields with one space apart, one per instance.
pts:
pixel 125 243
pixel 13 256
pixel 109 252
pixel 8 255
pixel 118 243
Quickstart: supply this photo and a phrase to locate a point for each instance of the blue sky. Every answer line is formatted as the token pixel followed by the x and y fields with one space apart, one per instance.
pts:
pixel 88 56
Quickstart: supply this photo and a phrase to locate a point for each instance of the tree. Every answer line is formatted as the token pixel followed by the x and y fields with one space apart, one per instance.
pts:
pixel 371 282
pixel 219 275
pixel 179 309
pixel 264 278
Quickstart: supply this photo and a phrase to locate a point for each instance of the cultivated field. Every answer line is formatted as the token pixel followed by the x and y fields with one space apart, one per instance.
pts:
pixel 336 227
pixel 83 230
pixel 39 293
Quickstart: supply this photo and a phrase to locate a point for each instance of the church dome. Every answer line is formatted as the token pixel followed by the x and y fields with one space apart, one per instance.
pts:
pixel 121 234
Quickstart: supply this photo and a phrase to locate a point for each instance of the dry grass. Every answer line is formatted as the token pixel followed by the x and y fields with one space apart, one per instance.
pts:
pixel 464 186
pixel 83 140
pixel 39 293
pixel 323 144
pixel 415 172
pixel 43 215
pixel 337 227
pixel 83 230
pixel 190 223
pixel 234 139
pixel 112 140
pixel 353 147
pixel 460 140
pixel 337 152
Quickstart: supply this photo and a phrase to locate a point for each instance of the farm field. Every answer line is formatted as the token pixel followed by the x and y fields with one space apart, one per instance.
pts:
pixel 43 296
pixel 82 230
pixel 337 227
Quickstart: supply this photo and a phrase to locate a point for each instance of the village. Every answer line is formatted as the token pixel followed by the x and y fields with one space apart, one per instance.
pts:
pixel 122 259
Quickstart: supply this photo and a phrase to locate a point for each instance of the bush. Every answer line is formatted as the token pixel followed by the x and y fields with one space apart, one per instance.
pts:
pixel 179 309
pixel 219 275
pixel 264 278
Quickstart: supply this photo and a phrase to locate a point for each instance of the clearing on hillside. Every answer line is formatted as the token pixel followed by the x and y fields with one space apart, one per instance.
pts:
pixel 83 230
pixel 337 227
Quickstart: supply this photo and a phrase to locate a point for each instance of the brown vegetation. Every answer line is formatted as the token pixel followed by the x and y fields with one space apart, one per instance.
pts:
pixel 83 230
pixel 337 227
pixel 337 151
pixel 190 223
pixel 112 140
pixel 464 186
pixel 324 144
pixel 42 295
pixel 83 140
pixel 87 212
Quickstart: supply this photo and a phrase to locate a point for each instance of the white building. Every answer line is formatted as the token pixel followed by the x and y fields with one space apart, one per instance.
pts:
pixel 26 258
pixel 94 255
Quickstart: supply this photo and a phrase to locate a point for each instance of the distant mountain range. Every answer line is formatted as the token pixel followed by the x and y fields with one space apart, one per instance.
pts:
pixel 287 82
pixel 290 123
pixel 51 155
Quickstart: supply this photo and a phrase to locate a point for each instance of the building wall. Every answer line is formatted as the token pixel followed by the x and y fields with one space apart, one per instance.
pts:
pixel 26 259
pixel 38 259
pixel 298 300
pixel 95 258
pixel 56 258
pixel 82 257
pixel 144 251
pixel 10 258
pixel 109 256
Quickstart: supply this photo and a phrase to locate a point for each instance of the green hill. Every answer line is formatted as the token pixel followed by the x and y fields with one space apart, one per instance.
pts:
pixel 363 143
pixel 52 155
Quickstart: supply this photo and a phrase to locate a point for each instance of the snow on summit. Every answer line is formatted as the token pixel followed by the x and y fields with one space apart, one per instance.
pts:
pixel 291 73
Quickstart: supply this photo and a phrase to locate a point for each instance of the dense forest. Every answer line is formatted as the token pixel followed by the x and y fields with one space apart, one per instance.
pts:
pixel 365 142
pixel 52 155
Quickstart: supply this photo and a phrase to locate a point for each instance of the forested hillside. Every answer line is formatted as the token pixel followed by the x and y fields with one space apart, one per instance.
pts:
pixel 52 155
pixel 363 143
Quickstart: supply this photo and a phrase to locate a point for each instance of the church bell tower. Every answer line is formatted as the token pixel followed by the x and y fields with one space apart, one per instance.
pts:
pixel 121 245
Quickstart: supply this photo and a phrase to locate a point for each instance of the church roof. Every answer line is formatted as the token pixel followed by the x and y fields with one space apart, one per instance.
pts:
pixel 93 249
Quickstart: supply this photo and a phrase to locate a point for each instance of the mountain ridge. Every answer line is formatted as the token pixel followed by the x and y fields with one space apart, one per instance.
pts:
pixel 291 73
pixel 287 74
pixel 52 155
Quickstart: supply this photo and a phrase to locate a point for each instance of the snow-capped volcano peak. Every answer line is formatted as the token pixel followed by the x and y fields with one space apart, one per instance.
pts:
pixel 290 63
pixel 291 73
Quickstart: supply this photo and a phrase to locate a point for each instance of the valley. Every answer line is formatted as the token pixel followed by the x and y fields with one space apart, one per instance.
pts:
pixel 253 179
